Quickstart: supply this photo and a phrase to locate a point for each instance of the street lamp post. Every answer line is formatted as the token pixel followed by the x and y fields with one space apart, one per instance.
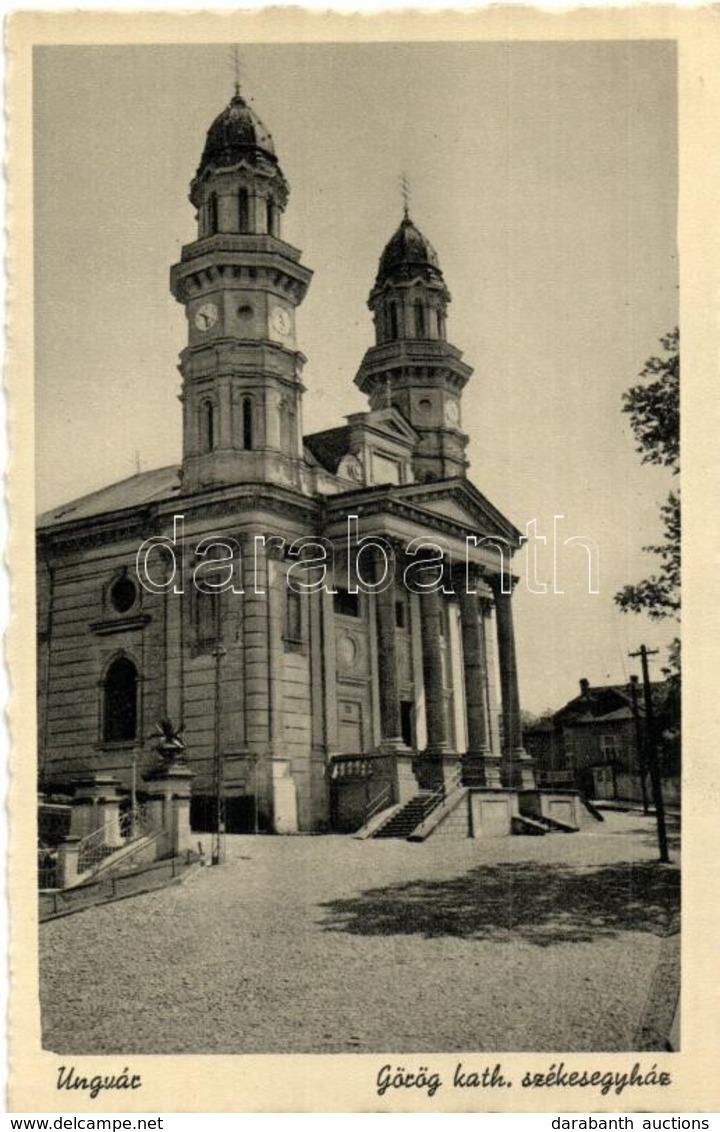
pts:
pixel 217 853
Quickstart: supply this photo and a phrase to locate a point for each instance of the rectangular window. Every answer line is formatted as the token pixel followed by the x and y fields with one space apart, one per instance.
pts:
pixel 293 616
pixel 347 604
pixel 400 614
pixel 207 616
pixel 385 469
pixel 243 211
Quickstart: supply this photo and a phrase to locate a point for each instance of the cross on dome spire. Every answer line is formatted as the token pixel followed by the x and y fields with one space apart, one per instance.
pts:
pixel 405 190
pixel 237 68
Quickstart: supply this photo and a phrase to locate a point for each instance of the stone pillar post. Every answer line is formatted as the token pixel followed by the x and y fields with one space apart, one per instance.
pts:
pixel 167 791
pixel 67 862
pixel 479 768
pixel 518 764
pixel 96 805
pixel 388 684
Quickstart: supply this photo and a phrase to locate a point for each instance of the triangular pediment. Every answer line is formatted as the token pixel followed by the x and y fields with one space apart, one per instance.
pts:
pixel 460 502
pixel 389 421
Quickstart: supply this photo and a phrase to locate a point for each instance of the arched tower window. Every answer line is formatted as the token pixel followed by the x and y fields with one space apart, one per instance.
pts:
pixel 207 426
pixel 120 702
pixel 394 321
pixel 271 216
pixel 212 214
pixel 243 211
pixel 419 309
pixel 247 424
pixel 287 427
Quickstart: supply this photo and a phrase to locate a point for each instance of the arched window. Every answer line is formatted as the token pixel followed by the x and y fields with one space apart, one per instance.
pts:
pixel 212 214
pixel 243 211
pixel 441 324
pixel 207 426
pixel 120 702
pixel 287 428
pixel 271 217
pixel 394 325
pixel 419 309
pixel 247 423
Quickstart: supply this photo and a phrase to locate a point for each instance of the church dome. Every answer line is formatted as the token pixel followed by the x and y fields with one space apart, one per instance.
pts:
pixel 406 252
pixel 235 134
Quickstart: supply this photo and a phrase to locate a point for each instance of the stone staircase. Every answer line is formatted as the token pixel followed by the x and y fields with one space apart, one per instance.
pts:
pixel 409 817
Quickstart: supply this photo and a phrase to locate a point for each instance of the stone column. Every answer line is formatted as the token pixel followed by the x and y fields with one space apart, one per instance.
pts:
pixel 437 741
pixel 388 684
pixel 519 771
pixel 479 767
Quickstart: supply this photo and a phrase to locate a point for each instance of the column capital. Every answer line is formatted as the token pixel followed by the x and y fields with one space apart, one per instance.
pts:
pixel 502 585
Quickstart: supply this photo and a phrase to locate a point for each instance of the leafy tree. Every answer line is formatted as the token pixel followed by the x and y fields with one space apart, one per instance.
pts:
pixel 654 408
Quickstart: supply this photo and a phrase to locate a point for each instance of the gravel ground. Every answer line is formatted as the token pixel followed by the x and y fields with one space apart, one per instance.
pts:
pixel 328 944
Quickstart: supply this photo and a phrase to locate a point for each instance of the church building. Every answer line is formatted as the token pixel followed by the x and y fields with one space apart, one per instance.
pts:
pixel 326 619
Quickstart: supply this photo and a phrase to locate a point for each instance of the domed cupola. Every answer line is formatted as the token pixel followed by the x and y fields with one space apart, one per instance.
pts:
pixel 407 254
pixel 412 366
pixel 236 135
pixel 239 186
pixel 409 297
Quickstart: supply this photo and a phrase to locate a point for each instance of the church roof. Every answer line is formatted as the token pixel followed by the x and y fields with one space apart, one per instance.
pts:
pixel 329 447
pixel 235 134
pixel 137 490
pixel 405 252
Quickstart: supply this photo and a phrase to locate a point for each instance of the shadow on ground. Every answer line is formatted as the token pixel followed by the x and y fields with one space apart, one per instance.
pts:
pixel 542 904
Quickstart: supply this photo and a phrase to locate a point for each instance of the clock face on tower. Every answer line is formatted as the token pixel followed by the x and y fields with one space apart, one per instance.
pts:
pixel 280 321
pixel 452 412
pixel 206 316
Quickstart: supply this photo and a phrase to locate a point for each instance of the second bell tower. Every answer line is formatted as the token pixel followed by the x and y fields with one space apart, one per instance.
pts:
pixel 240 284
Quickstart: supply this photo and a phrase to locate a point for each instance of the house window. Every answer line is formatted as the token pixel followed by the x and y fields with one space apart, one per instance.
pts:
pixel 609 748
pixel 120 702
pixel 419 320
pixel 347 604
pixel 247 424
pixel 243 211
pixel 207 426
pixel 293 616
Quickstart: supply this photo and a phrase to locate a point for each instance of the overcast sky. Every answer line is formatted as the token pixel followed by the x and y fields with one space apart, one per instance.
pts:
pixel 543 173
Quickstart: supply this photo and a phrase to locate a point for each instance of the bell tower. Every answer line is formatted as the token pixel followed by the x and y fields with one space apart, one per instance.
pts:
pixel 240 284
pixel 412 365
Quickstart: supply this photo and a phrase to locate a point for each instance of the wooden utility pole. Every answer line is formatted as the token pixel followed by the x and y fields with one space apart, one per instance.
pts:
pixel 652 754
pixel 639 741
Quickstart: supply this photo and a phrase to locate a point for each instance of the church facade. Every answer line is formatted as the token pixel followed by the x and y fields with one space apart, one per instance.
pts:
pixel 319 614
